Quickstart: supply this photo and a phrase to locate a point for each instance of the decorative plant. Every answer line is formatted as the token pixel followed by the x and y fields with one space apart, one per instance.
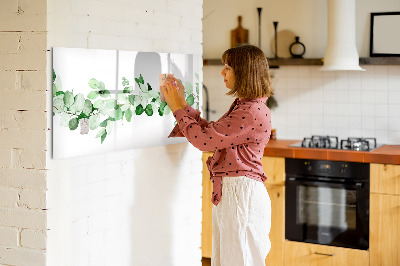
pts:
pixel 99 111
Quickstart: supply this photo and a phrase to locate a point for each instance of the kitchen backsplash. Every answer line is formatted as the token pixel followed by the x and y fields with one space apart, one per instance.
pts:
pixel 314 102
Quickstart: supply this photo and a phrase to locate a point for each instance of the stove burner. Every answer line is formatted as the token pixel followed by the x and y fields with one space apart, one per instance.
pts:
pixel 328 142
pixel 358 144
pixel 332 142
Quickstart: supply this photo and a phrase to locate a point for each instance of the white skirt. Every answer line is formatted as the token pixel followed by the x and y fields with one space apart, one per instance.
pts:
pixel 241 223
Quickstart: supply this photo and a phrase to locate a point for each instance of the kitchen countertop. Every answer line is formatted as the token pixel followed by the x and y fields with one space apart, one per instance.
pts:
pixel 389 154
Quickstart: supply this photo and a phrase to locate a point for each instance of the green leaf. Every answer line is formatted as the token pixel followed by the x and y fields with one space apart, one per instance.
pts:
pixel 138 100
pixel 93 95
pixel 128 89
pixel 79 102
pixel 125 82
pixel 101 132
pixel 65 119
pixel 98 103
pixel 197 88
pixel 102 86
pixel 88 107
pixel 94 83
pixel 141 79
pixel 103 137
pixel 118 114
pixel 104 123
pixel 128 114
pixel 124 107
pixel 58 83
pixel 82 115
pixel 139 109
pixel 167 110
pixel 188 87
pixel 94 121
pixel 131 99
pixel 104 93
pixel 54 75
pixel 109 126
pixel 68 99
pixel 149 110
pixel 153 106
pixel 54 90
pixel 154 94
pixel 161 108
pixel 59 93
pixel 111 103
pixel 122 97
pixel 73 123
pixel 58 106
pixel 149 88
pixel 190 99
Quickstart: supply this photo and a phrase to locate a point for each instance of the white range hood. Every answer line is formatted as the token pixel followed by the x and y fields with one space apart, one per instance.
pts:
pixel 341 51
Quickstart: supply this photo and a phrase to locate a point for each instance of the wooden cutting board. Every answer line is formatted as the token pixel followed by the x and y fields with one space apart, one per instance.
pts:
pixel 239 35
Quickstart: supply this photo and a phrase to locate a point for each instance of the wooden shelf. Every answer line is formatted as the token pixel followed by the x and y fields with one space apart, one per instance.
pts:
pixel 274 63
pixel 380 61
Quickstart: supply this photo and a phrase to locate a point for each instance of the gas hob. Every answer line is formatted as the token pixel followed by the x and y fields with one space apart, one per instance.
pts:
pixel 332 142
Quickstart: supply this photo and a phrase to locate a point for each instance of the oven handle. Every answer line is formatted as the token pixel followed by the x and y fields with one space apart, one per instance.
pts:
pixel 357 185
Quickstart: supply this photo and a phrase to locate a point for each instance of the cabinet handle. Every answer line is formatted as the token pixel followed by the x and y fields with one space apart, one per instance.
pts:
pixel 325 254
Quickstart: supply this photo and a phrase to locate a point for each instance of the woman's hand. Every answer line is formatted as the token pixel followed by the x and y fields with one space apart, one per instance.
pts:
pixel 174 98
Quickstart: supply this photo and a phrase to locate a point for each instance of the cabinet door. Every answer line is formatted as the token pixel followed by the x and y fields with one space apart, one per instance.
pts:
pixel 384 229
pixel 277 233
pixel 305 254
pixel 206 232
pixel 385 178
pixel 274 168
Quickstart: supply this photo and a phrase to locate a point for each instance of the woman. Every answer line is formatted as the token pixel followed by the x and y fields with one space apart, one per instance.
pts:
pixel 241 214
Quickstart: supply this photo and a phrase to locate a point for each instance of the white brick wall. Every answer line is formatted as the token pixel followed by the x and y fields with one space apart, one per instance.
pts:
pixel 134 207
pixel 23 128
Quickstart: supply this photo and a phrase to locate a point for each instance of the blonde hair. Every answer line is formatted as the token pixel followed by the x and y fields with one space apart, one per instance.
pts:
pixel 250 66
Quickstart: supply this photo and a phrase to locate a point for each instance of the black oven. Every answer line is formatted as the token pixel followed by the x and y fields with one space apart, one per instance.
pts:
pixel 327 202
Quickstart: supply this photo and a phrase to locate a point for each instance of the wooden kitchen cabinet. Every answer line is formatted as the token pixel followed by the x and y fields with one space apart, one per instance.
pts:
pixel 277 232
pixel 385 178
pixel 384 236
pixel 274 168
pixel 306 254
pixel 206 225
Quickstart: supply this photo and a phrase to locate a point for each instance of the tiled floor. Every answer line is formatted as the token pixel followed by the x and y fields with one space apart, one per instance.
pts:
pixel 206 261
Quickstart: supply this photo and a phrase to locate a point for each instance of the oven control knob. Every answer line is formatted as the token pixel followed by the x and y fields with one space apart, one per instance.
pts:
pixel 343 168
pixel 308 166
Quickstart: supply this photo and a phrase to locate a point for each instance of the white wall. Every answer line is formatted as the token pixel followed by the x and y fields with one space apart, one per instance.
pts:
pixel 305 18
pixel 134 207
pixel 23 133
pixel 311 102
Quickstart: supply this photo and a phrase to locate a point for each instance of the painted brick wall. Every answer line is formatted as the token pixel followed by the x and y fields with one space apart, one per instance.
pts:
pixel 134 207
pixel 23 83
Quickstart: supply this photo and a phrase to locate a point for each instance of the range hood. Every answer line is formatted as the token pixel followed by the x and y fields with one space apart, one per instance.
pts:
pixel 341 51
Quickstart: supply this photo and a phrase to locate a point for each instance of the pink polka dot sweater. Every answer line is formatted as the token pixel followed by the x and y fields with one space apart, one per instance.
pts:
pixel 238 139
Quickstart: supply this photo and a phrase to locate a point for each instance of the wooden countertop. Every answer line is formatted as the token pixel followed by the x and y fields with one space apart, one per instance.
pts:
pixel 389 154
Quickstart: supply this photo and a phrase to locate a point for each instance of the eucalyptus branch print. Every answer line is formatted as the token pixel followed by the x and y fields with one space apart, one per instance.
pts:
pixel 99 111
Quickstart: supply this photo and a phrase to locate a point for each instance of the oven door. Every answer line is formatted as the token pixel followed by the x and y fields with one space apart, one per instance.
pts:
pixel 327 213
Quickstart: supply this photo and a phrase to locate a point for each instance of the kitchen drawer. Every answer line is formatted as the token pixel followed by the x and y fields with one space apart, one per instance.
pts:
pixel 306 254
pixel 385 178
